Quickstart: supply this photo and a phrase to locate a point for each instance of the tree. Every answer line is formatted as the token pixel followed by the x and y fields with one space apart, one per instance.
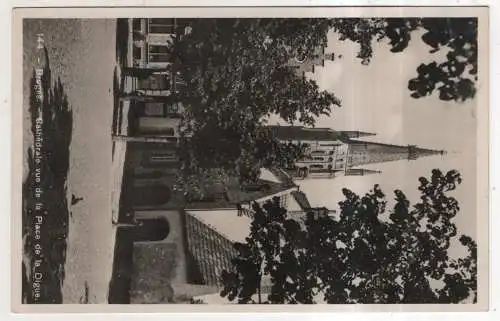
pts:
pixel 262 255
pixel 453 79
pixel 238 72
pixel 237 75
pixel 366 255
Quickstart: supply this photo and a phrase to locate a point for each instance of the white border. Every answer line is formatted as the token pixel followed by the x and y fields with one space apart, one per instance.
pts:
pixel 5 98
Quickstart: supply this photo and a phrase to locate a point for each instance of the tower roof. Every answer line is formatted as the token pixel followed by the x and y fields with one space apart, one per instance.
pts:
pixel 361 172
pixel 368 152
pixel 304 133
pixel 356 133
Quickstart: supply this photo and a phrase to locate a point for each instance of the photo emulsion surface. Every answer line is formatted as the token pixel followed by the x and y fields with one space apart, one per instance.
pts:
pixel 175 160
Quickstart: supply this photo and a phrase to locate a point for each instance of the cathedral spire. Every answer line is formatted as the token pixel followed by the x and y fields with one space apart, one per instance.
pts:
pixel 362 153
pixel 355 133
pixel 360 172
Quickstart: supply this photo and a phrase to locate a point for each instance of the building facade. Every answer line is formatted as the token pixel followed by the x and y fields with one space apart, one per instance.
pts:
pixel 331 153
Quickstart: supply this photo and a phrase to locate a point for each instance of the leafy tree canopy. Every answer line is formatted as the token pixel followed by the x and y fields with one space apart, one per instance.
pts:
pixel 238 72
pixel 368 254
pixel 453 79
pixel 237 75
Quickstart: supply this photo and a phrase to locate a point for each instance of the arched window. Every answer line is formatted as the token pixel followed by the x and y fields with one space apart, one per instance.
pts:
pixel 151 230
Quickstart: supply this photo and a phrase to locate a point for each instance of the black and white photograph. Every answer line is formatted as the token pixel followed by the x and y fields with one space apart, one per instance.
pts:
pixel 263 157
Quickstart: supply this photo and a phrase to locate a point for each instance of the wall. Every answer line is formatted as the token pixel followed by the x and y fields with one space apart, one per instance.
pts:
pixel 175 237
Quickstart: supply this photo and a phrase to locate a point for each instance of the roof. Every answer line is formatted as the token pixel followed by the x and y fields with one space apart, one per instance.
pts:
pixel 228 194
pixel 301 199
pixel 282 176
pixel 356 133
pixel 304 133
pixel 362 171
pixel 227 223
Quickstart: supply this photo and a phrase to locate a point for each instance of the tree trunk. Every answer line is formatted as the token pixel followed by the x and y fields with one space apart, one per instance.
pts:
pixel 259 294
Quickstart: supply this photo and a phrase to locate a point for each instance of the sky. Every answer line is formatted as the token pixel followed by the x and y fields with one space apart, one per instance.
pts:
pixel 375 98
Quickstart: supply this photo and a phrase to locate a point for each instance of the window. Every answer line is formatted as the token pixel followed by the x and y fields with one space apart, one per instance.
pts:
pixel 162 21
pixel 318 158
pixel 154 82
pixel 159 53
pixel 169 131
pixel 283 201
pixel 173 109
pixel 136 24
pixel 153 109
pixel 137 52
pixel 162 25
pixel 163 157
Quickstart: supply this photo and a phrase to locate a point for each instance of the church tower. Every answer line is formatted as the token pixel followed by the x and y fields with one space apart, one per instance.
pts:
pixel 363 153
pixel 332 153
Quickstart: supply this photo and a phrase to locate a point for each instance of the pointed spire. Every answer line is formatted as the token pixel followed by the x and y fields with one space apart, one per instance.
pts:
pixel 362 153
pixel 360 172
pixel 415 152
pixel 356 133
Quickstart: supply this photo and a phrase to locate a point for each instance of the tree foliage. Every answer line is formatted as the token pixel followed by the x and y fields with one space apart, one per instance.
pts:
pixel 238 72
pixel 237 75
pixel 368 254
pixel 454 78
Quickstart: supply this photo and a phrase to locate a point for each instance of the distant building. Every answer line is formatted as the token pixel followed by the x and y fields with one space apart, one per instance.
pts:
pixel 331 153
pixel 307 62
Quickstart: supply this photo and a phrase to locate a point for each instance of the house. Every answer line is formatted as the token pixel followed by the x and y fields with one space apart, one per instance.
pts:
pixel 182 242
pixel 184 250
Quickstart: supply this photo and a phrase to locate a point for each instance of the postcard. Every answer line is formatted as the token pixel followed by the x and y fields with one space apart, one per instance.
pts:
pixel 250 159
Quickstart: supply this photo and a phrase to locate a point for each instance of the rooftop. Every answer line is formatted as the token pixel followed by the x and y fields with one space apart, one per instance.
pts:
pixel 228 223
pixel 230 193
pixel 305 133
